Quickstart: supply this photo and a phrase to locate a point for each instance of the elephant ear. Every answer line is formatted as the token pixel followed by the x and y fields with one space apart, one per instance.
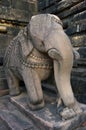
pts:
pixel 26 46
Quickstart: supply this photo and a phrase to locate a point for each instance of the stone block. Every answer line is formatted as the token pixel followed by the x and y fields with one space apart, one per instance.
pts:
pixel 6 3
pixel 22 5
pixel 80 72
pixel 60 6
pixel 82 52
pixel 72 10
pixel 19 15
pixel 66 4
pixel 33 9
pixel 14 14
pixel 77 27
pixel 42 4
pixel 79 16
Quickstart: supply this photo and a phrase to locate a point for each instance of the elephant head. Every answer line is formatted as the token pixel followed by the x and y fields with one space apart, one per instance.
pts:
pixel 49 37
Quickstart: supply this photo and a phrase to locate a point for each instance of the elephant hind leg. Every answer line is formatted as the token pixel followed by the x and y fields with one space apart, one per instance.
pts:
pixel 13 83
pixel 34 90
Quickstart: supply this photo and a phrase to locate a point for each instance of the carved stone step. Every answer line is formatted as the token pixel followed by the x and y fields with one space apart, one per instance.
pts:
pixel 47 118
pixel 13 119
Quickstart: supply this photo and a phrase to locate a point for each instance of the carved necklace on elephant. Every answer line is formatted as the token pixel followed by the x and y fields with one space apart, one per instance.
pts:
pixel 44 63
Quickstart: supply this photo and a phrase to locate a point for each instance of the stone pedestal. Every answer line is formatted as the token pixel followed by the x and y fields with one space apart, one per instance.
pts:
pixel 47 118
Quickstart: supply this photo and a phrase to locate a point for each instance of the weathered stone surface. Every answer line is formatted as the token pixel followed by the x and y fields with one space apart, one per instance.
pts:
pixel 66 4
pixel 81 72
pixel 82 62
pixel 14 14
pixel 82 52
pixel 23 5
pixel 79 87
pixel 47 118
pixel 51 9
pixel 73 10
pixel 4 42
pixel 12 118
pixel 77 27
pixel 42 4
pixel 6 3
pixel 79 16
pixel 60 6
pixel 78 40
pixel 33 8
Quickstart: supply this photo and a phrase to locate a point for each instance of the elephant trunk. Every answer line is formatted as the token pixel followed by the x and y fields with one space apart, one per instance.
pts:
pixel 63 62
pixel 62 78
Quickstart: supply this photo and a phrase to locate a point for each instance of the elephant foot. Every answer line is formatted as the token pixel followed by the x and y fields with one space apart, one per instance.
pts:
pixel 36 106
pixel 68 112
pixel 14 92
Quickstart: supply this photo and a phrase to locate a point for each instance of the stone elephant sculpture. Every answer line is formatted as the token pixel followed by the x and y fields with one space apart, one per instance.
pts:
pixel 31 56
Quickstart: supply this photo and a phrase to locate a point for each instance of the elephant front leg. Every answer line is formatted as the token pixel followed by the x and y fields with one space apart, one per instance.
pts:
pixel 62 77
pixel 13 83
pixel 34 90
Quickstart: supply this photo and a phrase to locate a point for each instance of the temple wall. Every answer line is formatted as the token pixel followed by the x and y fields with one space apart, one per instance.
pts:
pixel 14 15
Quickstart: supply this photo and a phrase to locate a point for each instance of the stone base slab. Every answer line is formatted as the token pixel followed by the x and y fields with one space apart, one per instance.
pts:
pixel 11 118
pixel 47 118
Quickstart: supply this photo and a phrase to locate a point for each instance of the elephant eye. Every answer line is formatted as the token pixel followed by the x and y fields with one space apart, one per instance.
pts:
pixel 42 43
